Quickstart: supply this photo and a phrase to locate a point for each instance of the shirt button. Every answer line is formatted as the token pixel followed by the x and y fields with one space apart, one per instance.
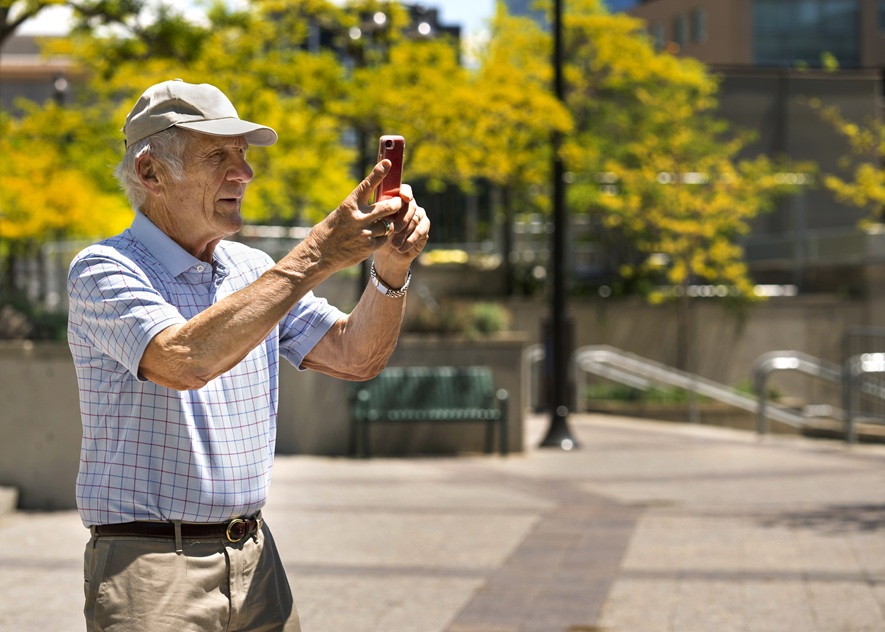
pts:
pixel 200 268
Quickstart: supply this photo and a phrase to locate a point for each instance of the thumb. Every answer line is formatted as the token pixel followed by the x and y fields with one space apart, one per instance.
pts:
pixel 371 181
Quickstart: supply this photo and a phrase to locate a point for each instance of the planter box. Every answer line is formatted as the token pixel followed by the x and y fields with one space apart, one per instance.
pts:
pixel 709 413
pixel 40 424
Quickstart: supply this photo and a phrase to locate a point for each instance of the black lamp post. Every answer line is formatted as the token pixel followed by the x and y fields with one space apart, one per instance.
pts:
pixel 558 434
pixel 59 89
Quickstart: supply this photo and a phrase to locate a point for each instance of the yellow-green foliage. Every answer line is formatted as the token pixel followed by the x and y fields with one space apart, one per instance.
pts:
pixel 630 113
pixel 863 182
pixel 645 120
pixel 51 178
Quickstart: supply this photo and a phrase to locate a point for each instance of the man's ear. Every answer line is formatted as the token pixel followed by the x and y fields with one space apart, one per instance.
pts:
pixel 150 173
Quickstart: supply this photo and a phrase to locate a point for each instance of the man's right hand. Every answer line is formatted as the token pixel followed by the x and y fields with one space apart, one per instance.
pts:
pixel 357 228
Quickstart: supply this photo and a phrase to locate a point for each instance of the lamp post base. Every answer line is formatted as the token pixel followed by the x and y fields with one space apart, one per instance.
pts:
pixel 559 434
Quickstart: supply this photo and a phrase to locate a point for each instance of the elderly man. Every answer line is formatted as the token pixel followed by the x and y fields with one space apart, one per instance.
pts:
pixel 176 335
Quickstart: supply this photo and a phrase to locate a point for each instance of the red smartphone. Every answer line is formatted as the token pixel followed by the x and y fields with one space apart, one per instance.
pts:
pixel 392 147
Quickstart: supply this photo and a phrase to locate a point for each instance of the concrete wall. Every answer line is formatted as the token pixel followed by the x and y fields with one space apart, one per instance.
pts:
pixel 726 341
pixel 40 413
pixel 39 410
pixel 39 423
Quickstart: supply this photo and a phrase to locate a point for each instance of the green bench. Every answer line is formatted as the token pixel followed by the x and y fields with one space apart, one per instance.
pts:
pixel 428 394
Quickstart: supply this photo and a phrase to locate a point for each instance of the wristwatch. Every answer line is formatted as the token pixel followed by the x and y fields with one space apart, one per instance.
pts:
pixel 386 291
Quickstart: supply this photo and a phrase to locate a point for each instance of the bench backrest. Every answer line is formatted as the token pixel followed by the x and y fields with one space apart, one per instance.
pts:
pixel 424 388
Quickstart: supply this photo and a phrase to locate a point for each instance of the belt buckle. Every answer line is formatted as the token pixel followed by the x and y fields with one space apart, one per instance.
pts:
pixel 234 524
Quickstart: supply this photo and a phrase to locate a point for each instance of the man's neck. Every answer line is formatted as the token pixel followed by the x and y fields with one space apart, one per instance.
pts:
pixel 201 247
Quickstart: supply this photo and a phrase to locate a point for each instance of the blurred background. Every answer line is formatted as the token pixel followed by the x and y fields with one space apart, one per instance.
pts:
pixel 723 190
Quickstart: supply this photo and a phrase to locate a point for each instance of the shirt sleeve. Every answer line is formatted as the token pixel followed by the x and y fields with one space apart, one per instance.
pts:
pixel 305 325
pixel 115 308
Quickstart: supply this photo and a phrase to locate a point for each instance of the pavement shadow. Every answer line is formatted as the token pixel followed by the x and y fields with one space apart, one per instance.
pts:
pixel 833 519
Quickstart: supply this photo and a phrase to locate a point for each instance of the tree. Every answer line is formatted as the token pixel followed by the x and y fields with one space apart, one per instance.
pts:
pixel 89 14
pixel 266 70
pixel 14 14
pixel 675 187
pixel 862 183
pixel 516 117
pixel 55 181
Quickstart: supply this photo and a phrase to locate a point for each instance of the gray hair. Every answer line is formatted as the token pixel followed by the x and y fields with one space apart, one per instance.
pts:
pixel 166 147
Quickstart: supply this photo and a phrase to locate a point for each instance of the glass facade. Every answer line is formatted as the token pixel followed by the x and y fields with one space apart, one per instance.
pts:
pixel 620 5
pixel 698 26
pixel 658 36
pixel 680 30
pixel 797 32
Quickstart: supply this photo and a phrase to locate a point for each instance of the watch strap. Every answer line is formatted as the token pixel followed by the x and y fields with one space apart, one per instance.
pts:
pixel 387 291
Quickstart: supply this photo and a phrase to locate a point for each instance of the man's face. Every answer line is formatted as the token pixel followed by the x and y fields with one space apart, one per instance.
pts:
pixel 207 201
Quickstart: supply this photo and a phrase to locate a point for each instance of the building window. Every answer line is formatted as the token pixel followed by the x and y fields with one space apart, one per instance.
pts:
pixel 699 25
pixel 680 30
pixel 882 15
pixel 799 32
pixel 658 37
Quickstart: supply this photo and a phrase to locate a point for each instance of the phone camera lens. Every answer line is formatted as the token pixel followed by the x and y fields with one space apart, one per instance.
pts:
pixel 388 144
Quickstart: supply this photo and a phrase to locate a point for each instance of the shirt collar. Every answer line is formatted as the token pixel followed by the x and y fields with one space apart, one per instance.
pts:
pixel 173 257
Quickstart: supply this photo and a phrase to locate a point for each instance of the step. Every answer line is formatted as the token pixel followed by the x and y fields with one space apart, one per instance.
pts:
pixel 8 500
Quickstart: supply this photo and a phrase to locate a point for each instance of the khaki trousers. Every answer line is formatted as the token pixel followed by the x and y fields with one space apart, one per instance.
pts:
pixel 136 584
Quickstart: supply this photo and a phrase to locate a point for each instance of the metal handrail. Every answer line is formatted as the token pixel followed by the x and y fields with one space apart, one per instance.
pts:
pixel 855 369
pixel 531 356
pixel 641 373
pixel 601 359
pixel 773 361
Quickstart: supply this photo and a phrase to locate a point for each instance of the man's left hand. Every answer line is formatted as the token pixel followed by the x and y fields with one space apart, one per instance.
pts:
pixel 411 230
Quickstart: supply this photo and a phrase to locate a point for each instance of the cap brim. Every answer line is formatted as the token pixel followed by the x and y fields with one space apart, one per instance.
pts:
pixel 255 134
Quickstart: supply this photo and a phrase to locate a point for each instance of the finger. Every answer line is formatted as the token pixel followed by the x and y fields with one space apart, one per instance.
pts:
pixel 381 228
pixel 405 193
pixel 408 217
pixel 415 243
pixel 364 189
pixel 407 224
pixel 417 237
pixel 384 208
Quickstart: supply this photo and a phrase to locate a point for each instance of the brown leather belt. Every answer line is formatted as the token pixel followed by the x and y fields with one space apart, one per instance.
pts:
pixel 232 530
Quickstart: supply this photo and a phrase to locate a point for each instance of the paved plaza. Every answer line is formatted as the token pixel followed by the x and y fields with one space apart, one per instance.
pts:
pixel 648 527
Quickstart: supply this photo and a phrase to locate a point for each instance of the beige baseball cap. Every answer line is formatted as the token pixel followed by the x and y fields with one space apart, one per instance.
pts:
pixel 202 108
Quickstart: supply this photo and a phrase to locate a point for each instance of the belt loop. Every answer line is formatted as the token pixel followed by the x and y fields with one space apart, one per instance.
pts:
pixel 257 520
pixel 178 547
pixel 92 531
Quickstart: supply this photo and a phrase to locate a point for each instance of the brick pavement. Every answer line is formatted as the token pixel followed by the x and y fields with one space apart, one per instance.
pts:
pixel 649 527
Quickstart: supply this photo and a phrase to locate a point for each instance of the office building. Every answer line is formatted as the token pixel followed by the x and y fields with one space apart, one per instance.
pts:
pixel 776 57
pixel 770 33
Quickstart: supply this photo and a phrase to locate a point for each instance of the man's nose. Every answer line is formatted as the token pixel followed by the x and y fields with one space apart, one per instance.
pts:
pixel 240 171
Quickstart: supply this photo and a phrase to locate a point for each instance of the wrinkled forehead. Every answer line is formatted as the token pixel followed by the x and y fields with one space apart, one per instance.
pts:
pixel 200 143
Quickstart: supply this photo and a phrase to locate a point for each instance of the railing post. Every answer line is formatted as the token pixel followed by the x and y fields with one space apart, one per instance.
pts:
pixel 693 414
pixel 848 401
pixel 760 381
